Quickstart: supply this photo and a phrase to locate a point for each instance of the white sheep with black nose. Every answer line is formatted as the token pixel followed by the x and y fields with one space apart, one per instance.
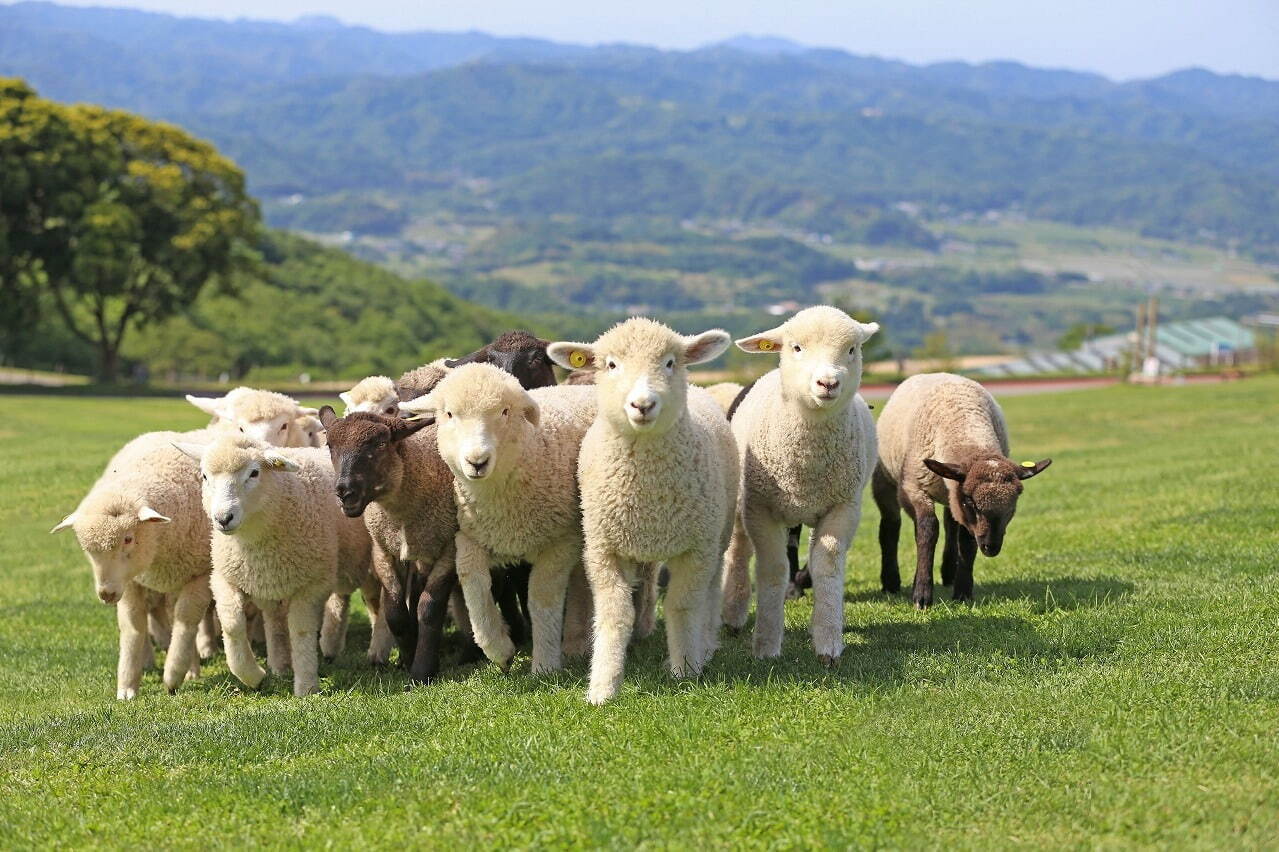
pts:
pixel 807 443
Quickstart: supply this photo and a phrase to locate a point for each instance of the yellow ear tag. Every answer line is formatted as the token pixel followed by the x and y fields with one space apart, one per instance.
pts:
pixel 577 359
pixel 765 345
pixel 1027 464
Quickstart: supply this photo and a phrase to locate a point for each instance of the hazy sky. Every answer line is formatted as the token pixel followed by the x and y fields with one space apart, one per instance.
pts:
pixel 1120 38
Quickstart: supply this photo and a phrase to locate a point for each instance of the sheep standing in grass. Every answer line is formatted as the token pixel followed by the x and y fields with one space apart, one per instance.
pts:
pixel 390 472
pixel 658 474
pixel 144 533
pixel 281 542
pixel 513 454
pixel 807 443
pixel 943 439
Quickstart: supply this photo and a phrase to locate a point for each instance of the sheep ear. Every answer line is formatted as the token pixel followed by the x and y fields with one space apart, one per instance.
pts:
pixel 572 356
pixel 279 461
pixel 328 416
pixel 346 400
pixel 1027 469
pixel 210 405
pixel 307 411
pixel 479 356
pixel 195 451
pixel 707 346
pixel 532 413
pixel 422 408
pixel 946 471
pixel 866 330
pixel 65 523
pixel 766 342
pixel 147 515
pixel 401 428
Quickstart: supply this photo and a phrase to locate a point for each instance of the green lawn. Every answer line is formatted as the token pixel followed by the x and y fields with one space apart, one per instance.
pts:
pixel 1115 684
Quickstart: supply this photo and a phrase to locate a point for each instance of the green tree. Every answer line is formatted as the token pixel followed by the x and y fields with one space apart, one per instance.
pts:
pixel 120 221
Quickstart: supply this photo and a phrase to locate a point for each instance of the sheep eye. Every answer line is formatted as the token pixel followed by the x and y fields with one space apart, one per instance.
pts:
pixel 253 474
pixel 670 363
pixel 390 411
pixel 612 365
pixel 797 347
pixel 241 430
pixel 505 412
pixel 128 539
pixel 204 478
pixel 283 426
pixel 852 350
pixel 449 415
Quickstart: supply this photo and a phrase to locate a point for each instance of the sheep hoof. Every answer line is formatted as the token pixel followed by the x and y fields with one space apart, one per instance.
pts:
pixel 330 660
pixel 828 660
pixel 922 603
pixel 126 694
pixel 172 690
pixel 733 629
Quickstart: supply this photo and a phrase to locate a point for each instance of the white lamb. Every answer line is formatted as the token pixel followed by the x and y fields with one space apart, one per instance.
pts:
pixel 144 533
pixel 282 542
pixel 807 443
pixel 658 473
pixel 513 454
pixel 263 415
pixel 374 395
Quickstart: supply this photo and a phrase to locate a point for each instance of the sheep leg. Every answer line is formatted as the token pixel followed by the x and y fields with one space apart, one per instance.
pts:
pixel 394 604
pixel 646 601
pixel 182 662
pixel 890 526
pixel 611 579
pixel 257 624
pixel 965 556
pixel 160 621
pixel 275 621
pixel 131 617
pixel 769 539
pixel 469 652
pixel 304 613
pixel 337 618
pixel 431 608
pixel 577 614
pixel 206 640
pixel 506 593
pixel 737 577
pixel 950 548
pixel 828 556
pixel 474 571
pixel 926 530
pixel 235 631
pixel 711 608
pixel 380 640
pixel 547 588
pixel 685 613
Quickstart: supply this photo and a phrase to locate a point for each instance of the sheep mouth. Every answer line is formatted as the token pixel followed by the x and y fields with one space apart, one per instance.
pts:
pixel 476 471
pixel 354 508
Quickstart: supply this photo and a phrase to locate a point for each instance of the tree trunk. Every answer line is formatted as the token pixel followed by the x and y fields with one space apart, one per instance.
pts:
pixel 108 362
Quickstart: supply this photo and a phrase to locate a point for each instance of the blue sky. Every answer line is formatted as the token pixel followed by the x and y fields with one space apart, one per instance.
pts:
pixel 1119 38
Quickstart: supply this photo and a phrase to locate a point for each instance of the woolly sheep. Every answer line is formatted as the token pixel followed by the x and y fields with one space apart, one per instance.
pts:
pixel 658 474
pixel 943 439
pixel 513 454
pixel 807 444
pixel 263 415
pixel 375 394
pixel 143 531
pixel 389 472
pixel 280 541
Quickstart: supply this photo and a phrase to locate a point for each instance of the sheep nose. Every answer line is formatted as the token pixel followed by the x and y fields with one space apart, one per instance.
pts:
pixel 828 385
pixel 643 406
pixel 478 461
pixel 224 520
pixel 107 596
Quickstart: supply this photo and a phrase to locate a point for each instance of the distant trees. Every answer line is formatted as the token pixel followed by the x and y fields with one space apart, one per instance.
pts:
pixel 111 221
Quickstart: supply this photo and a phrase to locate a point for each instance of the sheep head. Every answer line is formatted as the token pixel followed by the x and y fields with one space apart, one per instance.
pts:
pixel 232 469
pixel 519 353
pixel 483 418
pixel 820 350
pixel 983 495
pixel 119 536
pixel 641 371
pixel 261 415
pixel 375 394
pixel 365 461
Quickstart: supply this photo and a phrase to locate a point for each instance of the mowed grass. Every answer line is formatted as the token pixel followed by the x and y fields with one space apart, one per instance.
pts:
pixel 1116 682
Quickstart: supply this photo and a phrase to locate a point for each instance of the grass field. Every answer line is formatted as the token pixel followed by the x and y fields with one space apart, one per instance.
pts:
pixel 1115 684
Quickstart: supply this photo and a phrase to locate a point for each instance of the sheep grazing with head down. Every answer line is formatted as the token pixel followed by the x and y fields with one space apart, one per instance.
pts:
pixel 375 395
pixel 279 541
pixel 144 533
pixel 807 443
pixel 262 415
pixel 943 439
pixel 389 471
pixel 658 474
pixel 513 454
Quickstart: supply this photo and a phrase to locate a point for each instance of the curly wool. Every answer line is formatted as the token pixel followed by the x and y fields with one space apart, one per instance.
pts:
pixel 420 380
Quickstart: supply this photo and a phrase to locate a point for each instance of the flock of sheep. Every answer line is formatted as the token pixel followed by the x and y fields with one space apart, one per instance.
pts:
pixel 481 490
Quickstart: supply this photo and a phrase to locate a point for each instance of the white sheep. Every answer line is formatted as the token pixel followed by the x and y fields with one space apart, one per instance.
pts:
pixel 310 430
pixel 943 439
pixel 144 533
pixel 807 444
pixel 263 415
pixel 282 542
pixel 658 473
pixel 374 395
pixel 513 454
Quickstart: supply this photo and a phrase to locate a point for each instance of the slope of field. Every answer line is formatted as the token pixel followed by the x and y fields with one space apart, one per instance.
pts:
pixel 1113 685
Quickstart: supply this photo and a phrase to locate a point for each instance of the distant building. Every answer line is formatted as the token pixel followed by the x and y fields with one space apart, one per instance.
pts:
pixel 1187 345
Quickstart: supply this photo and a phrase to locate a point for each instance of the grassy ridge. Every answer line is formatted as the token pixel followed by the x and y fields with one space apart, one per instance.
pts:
pixel 1113 684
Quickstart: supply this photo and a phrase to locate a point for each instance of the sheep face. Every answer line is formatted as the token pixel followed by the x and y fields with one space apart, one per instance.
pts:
pixel 259 415
pixel 984 499
pixel 310 431
pixel 119 539
pixel 375 395
pixel 820 351
pixel 641 371
pixel 362 447
pixel 483 419
pixel 231 473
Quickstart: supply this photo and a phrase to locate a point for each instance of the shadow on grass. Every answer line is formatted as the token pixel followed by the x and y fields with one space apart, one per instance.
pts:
pixel 1043 594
